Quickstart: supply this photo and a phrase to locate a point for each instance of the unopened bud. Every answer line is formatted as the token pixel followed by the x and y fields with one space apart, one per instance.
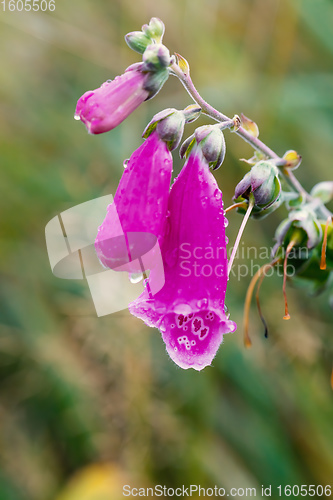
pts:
pixel 323 191
pixel 156 57
pixel 169 124
pixel 137 41
pixel 211 141
pixel 155 29
pixel 293 160
pixel 263 182
pixel 305 223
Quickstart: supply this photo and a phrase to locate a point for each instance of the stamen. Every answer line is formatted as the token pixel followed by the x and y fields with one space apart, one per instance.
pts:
pixel 323 248
pixel 258 305
pixel 235 205
pixel 290 246
pixel 240 232
pixel 249 293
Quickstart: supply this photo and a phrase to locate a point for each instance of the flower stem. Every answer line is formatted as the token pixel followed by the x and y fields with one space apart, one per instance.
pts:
pixel 256 143
pixel 235 205
pixel 240 232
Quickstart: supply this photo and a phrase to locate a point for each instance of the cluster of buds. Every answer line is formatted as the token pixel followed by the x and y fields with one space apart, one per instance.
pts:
pixel 105 108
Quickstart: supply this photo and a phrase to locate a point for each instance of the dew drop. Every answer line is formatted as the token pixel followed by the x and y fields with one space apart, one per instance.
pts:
pixel 217 194
pixel 125 162
pixel 226 312
pixel 226 239
pixel 184 309
pixel 226 222
pixel 135 277
pixel 108 81
pixel 77 117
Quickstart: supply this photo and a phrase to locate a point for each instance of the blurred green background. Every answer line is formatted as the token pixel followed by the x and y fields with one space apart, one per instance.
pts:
pixel 88 404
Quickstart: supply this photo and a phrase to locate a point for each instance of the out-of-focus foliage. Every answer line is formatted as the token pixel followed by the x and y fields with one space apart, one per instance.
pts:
pixel 88 403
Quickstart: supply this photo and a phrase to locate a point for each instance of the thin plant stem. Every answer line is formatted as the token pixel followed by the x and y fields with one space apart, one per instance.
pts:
pixel 323 248
pixel 235 205
pixel 290 246
pixel 240 232
pixel 256 143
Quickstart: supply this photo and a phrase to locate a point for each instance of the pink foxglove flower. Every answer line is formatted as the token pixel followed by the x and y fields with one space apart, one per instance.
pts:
pixel 103 109
pixel 189 309
pixel 139 207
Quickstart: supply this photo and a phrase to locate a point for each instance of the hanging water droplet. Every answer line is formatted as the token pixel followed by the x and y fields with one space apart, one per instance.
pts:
pixel 125 162
pixel 76 117
pixel 135 277
pixel 226 222
pixel 226 312
pixel 108 81
pixel 226 239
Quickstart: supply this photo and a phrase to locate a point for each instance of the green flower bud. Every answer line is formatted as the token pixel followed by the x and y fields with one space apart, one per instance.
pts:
pixel 305 223
pixel 263 182
pixel 156 57
pixel 211 141
pixel 169 124
pixel 323 191
pixel 138 41
pixel 155 29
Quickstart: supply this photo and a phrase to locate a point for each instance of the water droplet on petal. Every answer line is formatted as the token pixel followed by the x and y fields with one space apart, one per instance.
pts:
pixel 226 239
pixel 135 277
pixel 125 162
pixel 77 117
pixel 217 194
pixel 226 312
pixel 183 309
pixel 108 81
pixel 226 222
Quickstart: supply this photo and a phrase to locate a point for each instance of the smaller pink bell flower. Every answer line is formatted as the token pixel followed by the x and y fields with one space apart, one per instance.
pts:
pixel 105 108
